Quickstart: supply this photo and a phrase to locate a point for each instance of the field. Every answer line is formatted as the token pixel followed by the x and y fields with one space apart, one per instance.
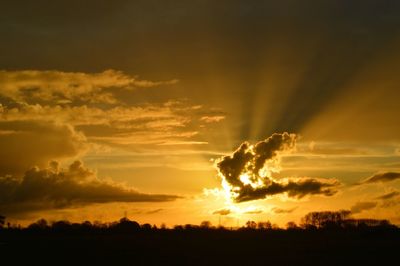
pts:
pixel 201 247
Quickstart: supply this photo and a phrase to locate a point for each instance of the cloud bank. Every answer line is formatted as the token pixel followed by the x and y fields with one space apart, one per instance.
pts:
pixel 247 173
pixel 53 114
pixel 25 144
pixel 54 188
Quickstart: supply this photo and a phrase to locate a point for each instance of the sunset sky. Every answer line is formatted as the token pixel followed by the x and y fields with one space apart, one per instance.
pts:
pixel 183 111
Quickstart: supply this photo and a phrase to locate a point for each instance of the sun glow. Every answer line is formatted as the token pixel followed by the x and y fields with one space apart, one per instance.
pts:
pixel 245 179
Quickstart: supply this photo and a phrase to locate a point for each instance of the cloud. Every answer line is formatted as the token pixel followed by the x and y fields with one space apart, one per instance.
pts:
pixel 389 195
pixel 247 174
pixel 331 149
pixel 149 84
pixel 390 199
pixel 382 177
pixel 85 103
pixel 57 115
pixel 170 123
pixel 120 117
pixel 283 211
pixel 57 86
pixel 154 211
pixel 28 143
pixel 363 206
pixel 222 212
pixel 212 119
pixel 55 188
pixel 253 212
pixel 297 188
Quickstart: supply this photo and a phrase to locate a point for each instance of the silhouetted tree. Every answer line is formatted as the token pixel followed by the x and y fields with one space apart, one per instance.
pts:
pixel 251 225
pixel 205 224
pixel 61 226
pixel 125 226
pixel 367 223
pixel 190 227
pixel 40 224
pixel 264 225
pixel 178 227
pixel 146 227
pixel 86 225
pixel 325 219
pixel 2 221
pixel 163 226
pixel 99 225
pixel 291 225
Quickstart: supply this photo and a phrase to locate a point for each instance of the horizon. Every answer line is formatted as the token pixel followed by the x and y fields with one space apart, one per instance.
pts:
pixel 331 220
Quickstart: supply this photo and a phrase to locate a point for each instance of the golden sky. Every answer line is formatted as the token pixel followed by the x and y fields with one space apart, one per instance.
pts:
pixel 182 111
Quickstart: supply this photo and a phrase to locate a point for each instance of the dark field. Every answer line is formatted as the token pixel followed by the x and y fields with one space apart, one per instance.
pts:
pixel 202 247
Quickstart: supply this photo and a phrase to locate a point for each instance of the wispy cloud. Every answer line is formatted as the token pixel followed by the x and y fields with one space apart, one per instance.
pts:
pixel 389 195
pixel 283 211
pixel 212 119
pixel 63 87
pixel 222 212
pixel 363 206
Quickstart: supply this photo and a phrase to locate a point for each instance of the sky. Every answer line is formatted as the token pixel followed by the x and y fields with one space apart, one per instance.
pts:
pixel 178 112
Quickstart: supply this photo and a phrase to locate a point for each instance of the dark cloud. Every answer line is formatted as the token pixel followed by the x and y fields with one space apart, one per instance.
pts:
pixel 294 189
pixel 382 177
pixel 25 144
pixel 389 195
pixel 247 175
pixel 53 188
pixel 283 211
pixel 363 206
pixel 223 212
pixel 250 159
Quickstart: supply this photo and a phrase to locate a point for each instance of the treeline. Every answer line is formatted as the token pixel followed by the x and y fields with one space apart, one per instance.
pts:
pixel 326 220
pixel 341 219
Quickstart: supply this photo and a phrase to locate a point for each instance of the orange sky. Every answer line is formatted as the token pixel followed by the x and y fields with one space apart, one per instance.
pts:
pixel 122 107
